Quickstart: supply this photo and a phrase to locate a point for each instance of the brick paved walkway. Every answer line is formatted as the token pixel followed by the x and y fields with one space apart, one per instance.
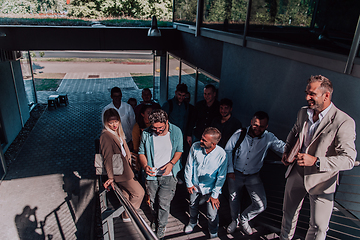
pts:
pixel 48 192
pixel 49 189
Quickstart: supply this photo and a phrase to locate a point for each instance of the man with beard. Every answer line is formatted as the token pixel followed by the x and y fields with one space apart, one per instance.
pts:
pixel 160 149
pixel 325 138
pixel 205 111
pixel 227 124
pixel 245 152
pixel 205 174
pixel 178 111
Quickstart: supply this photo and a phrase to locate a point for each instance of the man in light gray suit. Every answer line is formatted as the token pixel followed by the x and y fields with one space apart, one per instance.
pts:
pixel 326 137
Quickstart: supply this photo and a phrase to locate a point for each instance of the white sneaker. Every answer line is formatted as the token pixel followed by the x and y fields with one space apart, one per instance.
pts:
pixel 189 228
pixel 213 235
pixel 126 220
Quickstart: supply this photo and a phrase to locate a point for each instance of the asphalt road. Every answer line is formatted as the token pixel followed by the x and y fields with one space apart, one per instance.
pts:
pixel 97 54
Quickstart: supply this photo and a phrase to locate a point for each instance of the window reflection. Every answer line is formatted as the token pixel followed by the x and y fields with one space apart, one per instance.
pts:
pixel 28 79
pixel 225 15
pixel 323 24
pixel 188 76
pixel 203 80
pixel 173 75
pixel 156 74
pixel 185 11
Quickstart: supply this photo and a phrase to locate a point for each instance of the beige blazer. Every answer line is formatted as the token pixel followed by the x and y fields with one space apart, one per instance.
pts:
pixel 110 145
pixel 333 143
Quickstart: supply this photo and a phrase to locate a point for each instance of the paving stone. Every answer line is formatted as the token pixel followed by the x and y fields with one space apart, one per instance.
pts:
pixel 44 178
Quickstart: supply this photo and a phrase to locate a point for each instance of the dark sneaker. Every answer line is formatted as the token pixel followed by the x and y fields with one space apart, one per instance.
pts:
pixel 246 227
pixel 232 226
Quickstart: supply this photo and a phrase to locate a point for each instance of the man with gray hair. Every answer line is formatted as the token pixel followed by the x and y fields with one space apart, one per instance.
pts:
pixel 320 144
pixel 160 149
pixel 205 174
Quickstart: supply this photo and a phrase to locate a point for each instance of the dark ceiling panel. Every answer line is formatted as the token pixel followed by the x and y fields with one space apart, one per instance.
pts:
pixel 86 38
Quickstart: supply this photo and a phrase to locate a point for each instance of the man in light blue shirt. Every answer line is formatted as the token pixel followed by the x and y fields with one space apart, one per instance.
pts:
pixel 244 169
pixel 205 174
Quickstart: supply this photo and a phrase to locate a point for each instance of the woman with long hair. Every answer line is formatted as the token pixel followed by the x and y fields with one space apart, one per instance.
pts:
pixel 112 142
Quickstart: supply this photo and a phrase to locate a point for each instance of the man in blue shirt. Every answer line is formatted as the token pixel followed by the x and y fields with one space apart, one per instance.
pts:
pixel 160 149
pixel 205 174
pixel 244 167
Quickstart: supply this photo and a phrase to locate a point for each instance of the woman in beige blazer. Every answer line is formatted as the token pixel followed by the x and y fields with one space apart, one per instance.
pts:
pixel 112 141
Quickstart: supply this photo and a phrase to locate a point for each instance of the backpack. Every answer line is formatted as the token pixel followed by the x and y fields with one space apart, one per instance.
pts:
pixel 239 141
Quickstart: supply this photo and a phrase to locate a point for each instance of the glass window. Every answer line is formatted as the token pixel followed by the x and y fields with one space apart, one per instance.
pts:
pixel 225 15
pixel 2 132
pixel 185 11
pixel 156 87
pixel 173 75
pixel 203 80
pixel 323 24
pixel 188 76
pixel 28 78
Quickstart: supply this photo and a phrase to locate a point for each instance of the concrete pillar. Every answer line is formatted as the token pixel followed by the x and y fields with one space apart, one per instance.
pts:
pixel 163 76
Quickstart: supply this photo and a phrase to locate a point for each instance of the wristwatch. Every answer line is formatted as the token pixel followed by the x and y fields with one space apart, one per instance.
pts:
pixel 317 163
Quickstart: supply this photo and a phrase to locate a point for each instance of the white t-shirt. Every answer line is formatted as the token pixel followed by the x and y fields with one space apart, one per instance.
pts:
pixel 162 151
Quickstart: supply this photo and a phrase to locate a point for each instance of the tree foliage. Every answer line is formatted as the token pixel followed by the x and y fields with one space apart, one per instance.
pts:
pixel 31 6
pixel 143 9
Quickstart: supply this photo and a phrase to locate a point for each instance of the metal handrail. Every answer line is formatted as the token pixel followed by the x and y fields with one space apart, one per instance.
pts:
pixel 136 218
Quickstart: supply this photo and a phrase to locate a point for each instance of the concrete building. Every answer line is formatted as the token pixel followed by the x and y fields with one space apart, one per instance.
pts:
pixel 259 65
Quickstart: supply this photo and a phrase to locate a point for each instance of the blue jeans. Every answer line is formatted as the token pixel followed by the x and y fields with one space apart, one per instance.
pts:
pixel 161 190
pixel 197 199
pixel 256 191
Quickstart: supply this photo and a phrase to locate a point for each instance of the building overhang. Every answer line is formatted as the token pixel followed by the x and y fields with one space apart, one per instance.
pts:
pixel 23 38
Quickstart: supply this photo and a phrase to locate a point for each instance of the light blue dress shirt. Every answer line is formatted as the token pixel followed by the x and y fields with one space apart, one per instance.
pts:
pixel 207 172
pixel 249 157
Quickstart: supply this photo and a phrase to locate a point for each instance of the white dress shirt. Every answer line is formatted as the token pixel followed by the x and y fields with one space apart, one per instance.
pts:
pixel 206 172
pixel 311 126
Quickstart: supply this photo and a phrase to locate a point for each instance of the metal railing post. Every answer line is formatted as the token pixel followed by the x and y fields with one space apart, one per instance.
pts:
pixel 353 50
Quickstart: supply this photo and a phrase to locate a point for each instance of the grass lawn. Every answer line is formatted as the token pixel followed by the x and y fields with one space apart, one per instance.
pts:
pixel 143 80
pixel 48 81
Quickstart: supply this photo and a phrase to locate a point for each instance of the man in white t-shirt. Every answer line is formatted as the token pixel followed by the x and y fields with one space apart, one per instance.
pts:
pixel 126 112
pixel 160 149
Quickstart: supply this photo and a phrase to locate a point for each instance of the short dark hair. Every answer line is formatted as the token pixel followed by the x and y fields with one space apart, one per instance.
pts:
pixel 227 102
pixel 181 87
pixel 212 87
pixel 261 115
pixel 158 115
pixel 146 89
pixel 115 90
pixel 132 100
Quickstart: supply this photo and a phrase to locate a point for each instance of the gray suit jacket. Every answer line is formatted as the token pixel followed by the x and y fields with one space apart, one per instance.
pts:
pixel 333 143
